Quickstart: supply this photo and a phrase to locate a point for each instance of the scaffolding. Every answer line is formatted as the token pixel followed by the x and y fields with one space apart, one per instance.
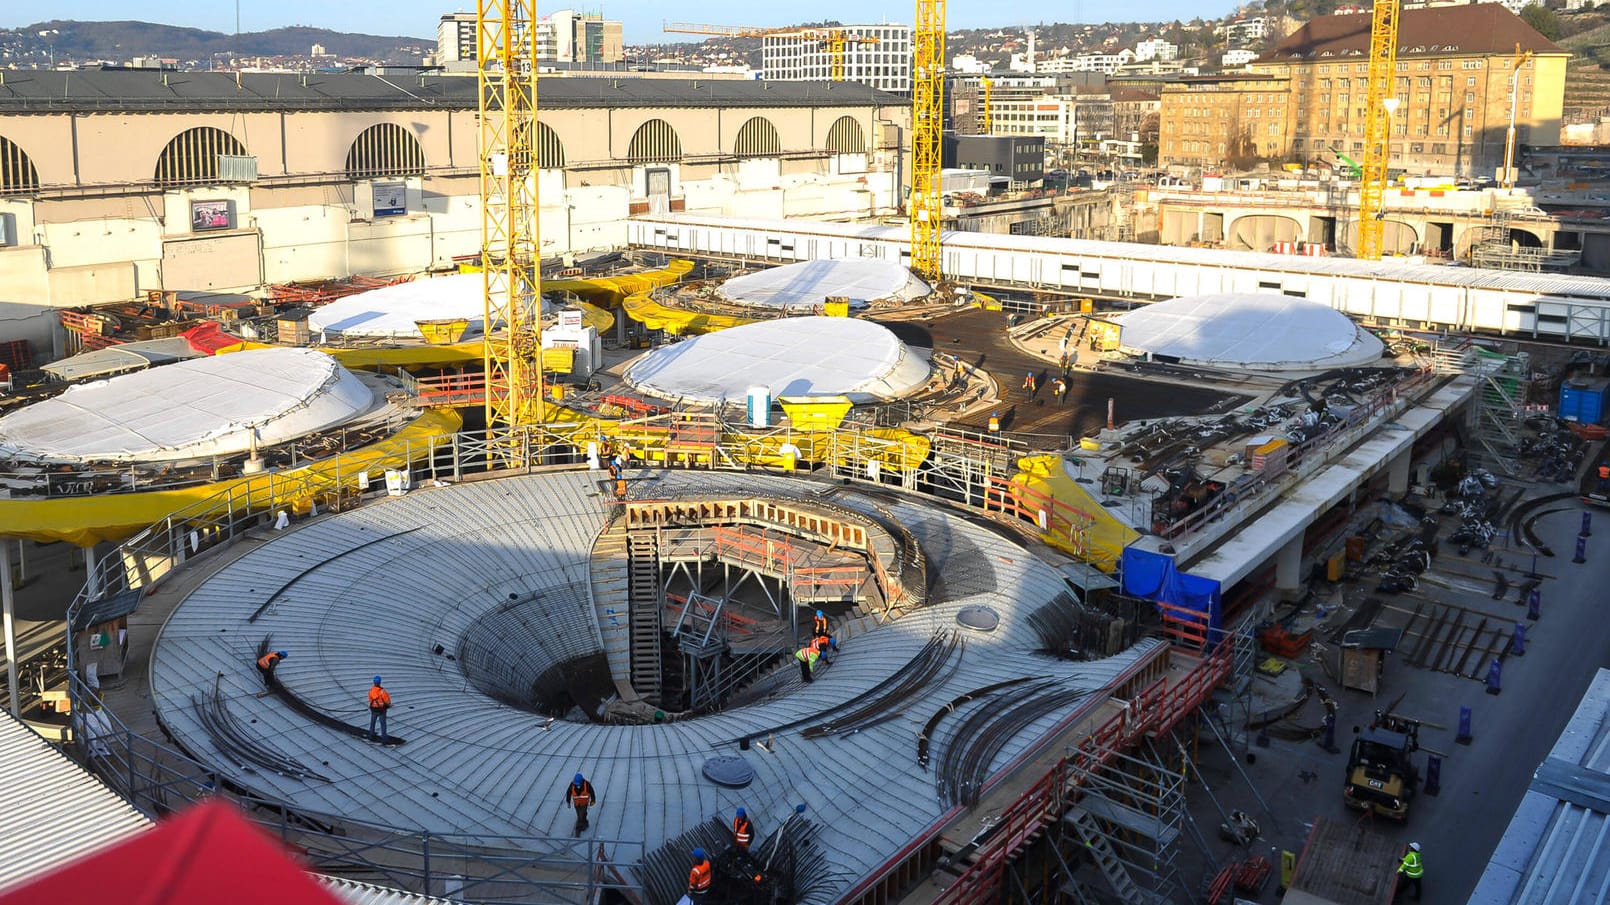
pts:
pixel 1495 248
pixel 1497 413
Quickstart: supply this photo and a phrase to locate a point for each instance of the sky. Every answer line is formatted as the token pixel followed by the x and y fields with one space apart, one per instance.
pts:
pixel 642 18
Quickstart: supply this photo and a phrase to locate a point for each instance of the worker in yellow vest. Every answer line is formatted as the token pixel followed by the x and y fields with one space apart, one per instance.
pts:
pixel 1411 870
pixel 994 422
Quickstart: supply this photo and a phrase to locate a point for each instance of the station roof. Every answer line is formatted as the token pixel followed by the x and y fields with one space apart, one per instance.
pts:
pixel 1553 851
pixel 1467 29
pixel 114 90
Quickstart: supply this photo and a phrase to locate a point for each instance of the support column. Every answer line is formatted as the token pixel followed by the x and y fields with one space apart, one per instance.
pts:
pixel 8 604
pixel 1289 565
pixel 1397 474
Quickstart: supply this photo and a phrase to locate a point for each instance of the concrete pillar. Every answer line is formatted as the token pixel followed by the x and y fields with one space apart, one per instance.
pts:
pixel 1289 565
pixel 1397 475
pixel 8 605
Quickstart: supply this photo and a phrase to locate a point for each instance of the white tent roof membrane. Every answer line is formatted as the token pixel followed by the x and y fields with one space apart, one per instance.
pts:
pixel 793 356
pixel 192 409
pixel 810 283
pixel 390 312
pixel 1255 332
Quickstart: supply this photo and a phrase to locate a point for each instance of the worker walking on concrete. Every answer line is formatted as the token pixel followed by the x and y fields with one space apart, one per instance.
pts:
pixel 580 795
pixel 743 831
pixel 700 877
pixel 266 664
pixel 1411 870
pixel 1030 384
pixel 379 703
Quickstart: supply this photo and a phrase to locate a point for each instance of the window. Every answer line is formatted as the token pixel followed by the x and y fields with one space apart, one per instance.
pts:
pixel 654 142
pixel 1274 130
pixel 17 172
pixel 1469 131
pixel 1417 148
pixel 846 137
pixel 191 158
pixel 1470 96
pixel 1442 131
pixel 757 138
pixel 1422 82
pixel 1420 131
pixel 385 149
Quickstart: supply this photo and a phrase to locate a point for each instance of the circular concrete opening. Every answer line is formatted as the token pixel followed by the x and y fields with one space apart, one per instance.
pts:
pixel 534 653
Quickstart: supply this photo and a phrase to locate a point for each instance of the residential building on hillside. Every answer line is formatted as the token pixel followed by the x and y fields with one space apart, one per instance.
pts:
pixel 1156 49
pixel 1209 120
pixel 885 65
pixel 1245 31
pixel 1455 66
pixel 1234 59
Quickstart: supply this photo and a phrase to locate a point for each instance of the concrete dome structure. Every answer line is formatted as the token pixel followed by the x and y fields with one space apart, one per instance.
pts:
pixel 1249 332
pixel 808 284
pixel 794 356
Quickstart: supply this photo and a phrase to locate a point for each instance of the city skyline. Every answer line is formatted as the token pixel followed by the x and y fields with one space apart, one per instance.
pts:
pixel 642 20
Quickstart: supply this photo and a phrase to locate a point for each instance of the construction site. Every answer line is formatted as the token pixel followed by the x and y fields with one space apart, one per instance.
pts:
pixel 972 568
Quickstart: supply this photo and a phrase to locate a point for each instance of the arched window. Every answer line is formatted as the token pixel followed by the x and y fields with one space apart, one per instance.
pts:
pixel 654 142
pixel 385 149
pixel 758 138
pixel 550 151
pixel 17 173
pixel 846 137
pixel 191 158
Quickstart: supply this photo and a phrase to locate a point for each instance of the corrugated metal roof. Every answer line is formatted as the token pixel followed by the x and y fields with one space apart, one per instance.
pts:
pixel 1554 851
pixel 1556 285
pixel 118 90
pixel 51 810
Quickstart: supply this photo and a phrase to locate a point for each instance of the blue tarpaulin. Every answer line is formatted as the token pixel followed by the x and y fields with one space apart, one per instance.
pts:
pixel 1153 576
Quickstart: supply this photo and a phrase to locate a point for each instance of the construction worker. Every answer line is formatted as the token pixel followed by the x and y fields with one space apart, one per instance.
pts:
pixel 379 703
pixel 700 877
pixel 994 422
pixel 580 795
pixel 743 831
pixel 1030 384
pixel 826 642
pixel 819 624
pixel 807 657
pixel 1604 475
pixel 1411 870
pixel 266 664
pixel 1059 389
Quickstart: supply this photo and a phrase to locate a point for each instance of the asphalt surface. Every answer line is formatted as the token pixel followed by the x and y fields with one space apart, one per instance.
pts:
pixel 1482 783
pixel 979 338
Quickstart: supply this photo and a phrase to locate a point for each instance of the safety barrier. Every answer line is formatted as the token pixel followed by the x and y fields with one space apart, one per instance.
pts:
pixel 1055 519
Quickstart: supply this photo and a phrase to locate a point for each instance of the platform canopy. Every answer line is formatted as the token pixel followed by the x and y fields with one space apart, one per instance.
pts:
pixel 393 312
pixel 192 409
pixel 794 356
pixel 808 284
pixel 1252 331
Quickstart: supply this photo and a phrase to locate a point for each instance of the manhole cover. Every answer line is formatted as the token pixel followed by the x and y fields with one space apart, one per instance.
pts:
pixel 729 770
pixel 982 618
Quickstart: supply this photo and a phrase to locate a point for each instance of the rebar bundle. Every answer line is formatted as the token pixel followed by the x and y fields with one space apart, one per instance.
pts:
pixel 232 740
pixel 932 665
pixel 786 866
pixel 928 730
pixel 964 765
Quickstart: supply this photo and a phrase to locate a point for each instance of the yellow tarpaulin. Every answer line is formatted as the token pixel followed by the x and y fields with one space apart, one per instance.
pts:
pixel 1107 536
pixel 656 316
pixel 116 517
pixel 404 356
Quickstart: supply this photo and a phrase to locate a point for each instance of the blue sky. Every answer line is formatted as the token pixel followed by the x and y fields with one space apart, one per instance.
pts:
pixel 418 17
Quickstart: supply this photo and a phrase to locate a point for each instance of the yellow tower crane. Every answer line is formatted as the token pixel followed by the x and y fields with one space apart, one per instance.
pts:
pixel 506 65
pixel 927 134
pixel 834 40
pixel 989 115
pixel 1379 103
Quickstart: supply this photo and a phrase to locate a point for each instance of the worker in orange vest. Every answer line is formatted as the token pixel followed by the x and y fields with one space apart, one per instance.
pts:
pixel 743 831
pixel 994 422
pixel 379 703
pixel 807 657
pixel 700 877
pixel 266 664
pixel 819 624
pixel 580 795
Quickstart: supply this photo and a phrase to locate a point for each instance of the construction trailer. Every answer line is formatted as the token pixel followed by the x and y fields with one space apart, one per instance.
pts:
pixel 1345 863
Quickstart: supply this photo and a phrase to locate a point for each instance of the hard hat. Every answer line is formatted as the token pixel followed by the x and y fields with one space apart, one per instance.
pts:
pixel 281 654
pixel 377 680
pixel 698 854
pixel 579 779
pixel 820 615
pixel 1415 846
pixel 741 813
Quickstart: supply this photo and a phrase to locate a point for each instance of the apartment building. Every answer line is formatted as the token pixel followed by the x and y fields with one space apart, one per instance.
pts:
pixel 1237 118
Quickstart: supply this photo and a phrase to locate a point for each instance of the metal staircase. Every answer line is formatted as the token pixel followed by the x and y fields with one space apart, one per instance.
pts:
pixel 647 601
pixel 1112 867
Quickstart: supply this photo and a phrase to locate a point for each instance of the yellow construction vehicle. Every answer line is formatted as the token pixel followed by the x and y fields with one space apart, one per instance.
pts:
pixel 1381 774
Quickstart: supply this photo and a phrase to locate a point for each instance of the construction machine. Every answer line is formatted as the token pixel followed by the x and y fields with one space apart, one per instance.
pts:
pixel 1381 774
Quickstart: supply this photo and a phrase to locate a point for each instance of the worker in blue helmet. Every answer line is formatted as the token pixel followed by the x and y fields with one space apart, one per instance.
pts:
pixel 743 831
pixel 700 878
pixel 819 624
pixel 579 794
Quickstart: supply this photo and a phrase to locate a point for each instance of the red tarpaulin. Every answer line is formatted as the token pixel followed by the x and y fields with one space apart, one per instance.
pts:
pixel 208 337
pixel 208 854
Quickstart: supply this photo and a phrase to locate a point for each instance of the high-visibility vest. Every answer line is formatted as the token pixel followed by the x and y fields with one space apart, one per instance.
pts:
pixel 699 877
pixel 819 625
pixel 742 831
pixel 1604 471
pixel 379 698
pixel 808 654
pixel 267 661
pixel 994 424
pixel 581 795
pixel 1411 865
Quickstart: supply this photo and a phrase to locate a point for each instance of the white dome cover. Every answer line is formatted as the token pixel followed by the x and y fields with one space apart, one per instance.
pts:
pixel 192 409
pixel 1249 331
pixel 809 283
pixel 792 356
pixel 390 312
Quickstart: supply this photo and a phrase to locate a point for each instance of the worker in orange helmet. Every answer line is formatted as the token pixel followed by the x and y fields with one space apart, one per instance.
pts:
pixel 700 877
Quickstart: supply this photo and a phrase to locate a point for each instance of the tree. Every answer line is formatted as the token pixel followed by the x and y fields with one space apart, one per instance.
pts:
pixel 1543 20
